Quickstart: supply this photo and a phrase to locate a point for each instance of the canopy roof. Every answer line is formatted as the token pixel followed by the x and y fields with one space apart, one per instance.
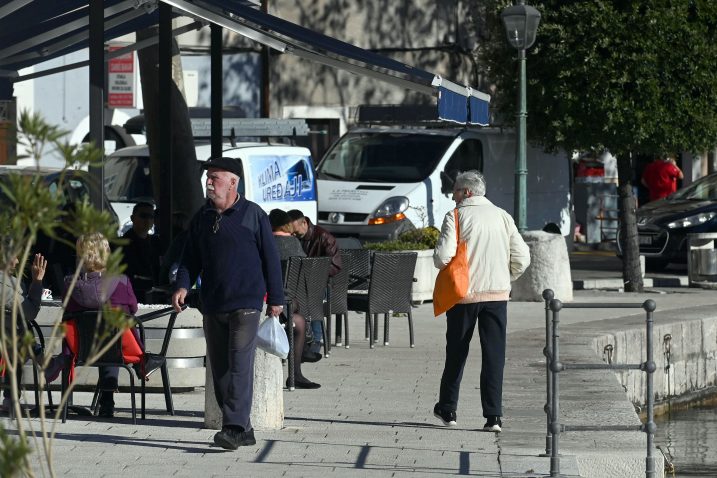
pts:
pixel 33 31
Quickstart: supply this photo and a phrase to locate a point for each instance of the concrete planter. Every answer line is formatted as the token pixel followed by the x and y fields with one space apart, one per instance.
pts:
pixel 425 275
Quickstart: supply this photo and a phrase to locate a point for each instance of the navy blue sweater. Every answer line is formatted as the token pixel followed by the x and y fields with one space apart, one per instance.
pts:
pixel 238 263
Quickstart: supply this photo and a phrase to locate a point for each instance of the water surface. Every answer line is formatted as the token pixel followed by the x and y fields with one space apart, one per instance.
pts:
pixel 690 437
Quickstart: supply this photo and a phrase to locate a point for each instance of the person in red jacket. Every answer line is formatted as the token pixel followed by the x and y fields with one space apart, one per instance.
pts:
pixel 660 177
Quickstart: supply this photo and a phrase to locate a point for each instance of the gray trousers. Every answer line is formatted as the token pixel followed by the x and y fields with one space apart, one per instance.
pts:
pixel 231 345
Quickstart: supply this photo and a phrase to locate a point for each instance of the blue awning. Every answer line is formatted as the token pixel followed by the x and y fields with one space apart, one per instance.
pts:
pixel 33 31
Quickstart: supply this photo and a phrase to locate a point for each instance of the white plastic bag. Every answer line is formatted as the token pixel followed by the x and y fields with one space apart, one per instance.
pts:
pixel 272 339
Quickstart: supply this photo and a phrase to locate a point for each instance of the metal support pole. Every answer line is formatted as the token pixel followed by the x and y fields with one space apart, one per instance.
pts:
pixel 265 104
pixel 650 367
pixel 217 88
pixel 521 167
pixel 165 123
pixel 548 295
pixel 555 368
pixel 97 96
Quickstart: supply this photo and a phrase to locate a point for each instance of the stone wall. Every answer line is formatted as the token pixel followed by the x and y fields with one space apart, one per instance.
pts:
pixel 686 361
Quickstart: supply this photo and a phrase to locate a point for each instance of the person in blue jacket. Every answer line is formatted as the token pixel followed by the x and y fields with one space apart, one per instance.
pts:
pixel 231 245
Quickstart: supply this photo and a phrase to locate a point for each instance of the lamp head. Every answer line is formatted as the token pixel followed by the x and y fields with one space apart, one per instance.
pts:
pixel 521 24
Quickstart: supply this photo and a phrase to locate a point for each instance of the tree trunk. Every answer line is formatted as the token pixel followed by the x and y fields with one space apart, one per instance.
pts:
pixel 187 188
pixel 631 274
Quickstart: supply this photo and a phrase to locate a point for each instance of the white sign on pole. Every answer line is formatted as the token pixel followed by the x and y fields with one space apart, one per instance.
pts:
pixel 120 80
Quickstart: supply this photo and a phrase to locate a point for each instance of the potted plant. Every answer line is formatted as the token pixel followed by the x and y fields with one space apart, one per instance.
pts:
pixel 422 241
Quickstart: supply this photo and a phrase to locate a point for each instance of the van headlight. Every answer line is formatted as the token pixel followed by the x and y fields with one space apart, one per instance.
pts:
pixel 391 210
pixel 690 221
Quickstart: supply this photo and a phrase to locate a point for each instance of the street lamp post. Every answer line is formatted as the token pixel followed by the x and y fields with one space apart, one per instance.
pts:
pixel 521 23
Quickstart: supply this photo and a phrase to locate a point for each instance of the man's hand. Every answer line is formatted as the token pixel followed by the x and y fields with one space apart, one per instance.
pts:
pixel 178 299
pixel 274 310
pixel 39 266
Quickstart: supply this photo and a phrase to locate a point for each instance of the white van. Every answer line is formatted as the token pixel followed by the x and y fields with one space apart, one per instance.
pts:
pixel 275 176
pixel 376 183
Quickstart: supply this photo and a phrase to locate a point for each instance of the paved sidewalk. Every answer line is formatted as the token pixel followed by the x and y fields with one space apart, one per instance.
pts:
pixel 373 414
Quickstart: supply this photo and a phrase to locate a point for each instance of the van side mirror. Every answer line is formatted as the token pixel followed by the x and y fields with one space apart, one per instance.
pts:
pixel 446 183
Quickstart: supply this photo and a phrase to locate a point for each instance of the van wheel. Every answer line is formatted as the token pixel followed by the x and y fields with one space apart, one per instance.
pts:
pixel 654 264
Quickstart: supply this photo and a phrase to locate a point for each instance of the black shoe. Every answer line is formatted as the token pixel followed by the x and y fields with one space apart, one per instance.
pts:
pixel 150 363
pixel 447 417
pixel 305 384
pixel 493 424
pixel 107 405
pixel 311 357
pixel 231 438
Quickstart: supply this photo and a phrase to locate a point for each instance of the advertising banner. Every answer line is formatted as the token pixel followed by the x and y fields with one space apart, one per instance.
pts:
pixel 282 178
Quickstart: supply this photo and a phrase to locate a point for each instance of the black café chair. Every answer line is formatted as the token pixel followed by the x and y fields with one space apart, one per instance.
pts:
pixel 389 291
pixel 359 268
pixel 305 285
pixel 33 327
pixel 338 300
pixel 89 325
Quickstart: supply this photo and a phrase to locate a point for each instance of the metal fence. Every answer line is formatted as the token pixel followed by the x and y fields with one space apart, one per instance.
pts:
pixel 554 367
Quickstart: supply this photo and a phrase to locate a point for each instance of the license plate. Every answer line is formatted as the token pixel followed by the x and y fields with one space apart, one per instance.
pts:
pixel 645 240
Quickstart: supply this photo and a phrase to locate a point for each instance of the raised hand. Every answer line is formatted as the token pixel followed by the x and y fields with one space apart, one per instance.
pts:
pixel 39 266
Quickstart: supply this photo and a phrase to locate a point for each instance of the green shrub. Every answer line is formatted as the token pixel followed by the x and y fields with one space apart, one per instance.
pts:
pixel 417 239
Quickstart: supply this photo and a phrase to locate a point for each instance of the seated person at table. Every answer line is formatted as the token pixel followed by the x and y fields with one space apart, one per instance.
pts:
pixel 288 246
pixel 316 242
pixel 28 305
pixel 92 290
pixel 142 254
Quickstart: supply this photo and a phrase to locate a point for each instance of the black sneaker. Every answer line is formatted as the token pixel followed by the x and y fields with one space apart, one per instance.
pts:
pixel 231 438
pixel 493 424
pixel 107 405
pixel 447 417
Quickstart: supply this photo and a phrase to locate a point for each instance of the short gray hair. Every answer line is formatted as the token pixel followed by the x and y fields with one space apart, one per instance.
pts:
pixel 471 180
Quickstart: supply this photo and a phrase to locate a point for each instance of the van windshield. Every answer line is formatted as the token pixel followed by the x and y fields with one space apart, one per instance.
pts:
pixel 384 157
pixel 127 178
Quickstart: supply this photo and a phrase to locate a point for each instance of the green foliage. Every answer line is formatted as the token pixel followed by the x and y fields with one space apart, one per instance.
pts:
pixel 628 76
pixel 13 454
pixel 415 240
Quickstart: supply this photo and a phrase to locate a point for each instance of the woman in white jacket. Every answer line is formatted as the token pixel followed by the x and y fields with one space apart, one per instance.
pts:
pixel 496 255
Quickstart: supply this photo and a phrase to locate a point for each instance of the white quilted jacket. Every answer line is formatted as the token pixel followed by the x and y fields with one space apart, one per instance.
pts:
pixel 496 251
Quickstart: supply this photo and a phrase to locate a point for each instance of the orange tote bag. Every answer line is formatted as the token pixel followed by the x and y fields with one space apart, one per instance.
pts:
pixel 452 281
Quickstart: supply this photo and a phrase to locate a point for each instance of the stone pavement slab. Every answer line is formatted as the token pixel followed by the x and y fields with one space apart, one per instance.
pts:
pixel 373 414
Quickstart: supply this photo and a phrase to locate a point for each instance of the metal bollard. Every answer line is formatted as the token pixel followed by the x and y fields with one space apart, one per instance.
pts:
pixel 555 368
pixel 649 368
pixel 548 295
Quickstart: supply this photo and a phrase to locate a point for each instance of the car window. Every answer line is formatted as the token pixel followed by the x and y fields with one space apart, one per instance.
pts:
pixel 384 157
pixel 704 189
pixel 127 178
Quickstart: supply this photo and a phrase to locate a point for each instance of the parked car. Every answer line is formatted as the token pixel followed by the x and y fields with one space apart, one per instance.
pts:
pixel 663 226
pixel 75 188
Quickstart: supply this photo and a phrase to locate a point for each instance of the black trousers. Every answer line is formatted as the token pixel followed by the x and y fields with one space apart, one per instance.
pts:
pixel 231 345
pixel 461 321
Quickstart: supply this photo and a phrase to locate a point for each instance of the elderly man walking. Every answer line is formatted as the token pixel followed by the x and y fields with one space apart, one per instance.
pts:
pixel 230 244
pixel 496 255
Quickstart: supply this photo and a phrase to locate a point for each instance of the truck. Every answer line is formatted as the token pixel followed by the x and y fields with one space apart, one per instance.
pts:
pixel 378 182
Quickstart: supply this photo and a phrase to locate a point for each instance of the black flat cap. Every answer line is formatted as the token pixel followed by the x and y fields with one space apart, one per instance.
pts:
pixel 227 164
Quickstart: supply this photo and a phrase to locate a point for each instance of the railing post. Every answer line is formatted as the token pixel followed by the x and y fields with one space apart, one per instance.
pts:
pixel 649 368
pixel 548 295
pixel 555 368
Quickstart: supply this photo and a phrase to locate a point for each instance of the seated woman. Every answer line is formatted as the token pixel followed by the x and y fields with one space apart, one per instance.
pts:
pixel 28 304
pixel 92 290
pixel 289 246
